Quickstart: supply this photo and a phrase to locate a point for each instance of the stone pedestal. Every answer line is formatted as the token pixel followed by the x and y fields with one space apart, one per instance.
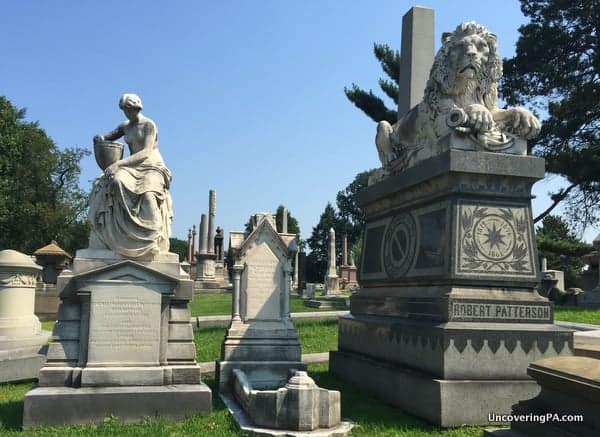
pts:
pixel 348 277
pixel 123 328
pixel 21 335
pixel 447 319
pixel 570 388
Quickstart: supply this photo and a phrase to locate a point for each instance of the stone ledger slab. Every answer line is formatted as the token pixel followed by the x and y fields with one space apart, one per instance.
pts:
pixel 56 406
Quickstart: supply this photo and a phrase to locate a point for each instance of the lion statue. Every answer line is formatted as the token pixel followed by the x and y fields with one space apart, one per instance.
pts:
pixel 461 99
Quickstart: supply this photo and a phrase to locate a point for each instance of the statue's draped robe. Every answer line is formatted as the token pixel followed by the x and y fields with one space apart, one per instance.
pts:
pixel 121 217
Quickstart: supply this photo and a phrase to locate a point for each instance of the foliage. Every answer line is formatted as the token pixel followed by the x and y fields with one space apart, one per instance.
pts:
pixel 316 260
pixel 40 199
pixel 561 248
pixel 293 226
pixel 179 247
pixel 373 106
pixel 556 69
pixel 351 218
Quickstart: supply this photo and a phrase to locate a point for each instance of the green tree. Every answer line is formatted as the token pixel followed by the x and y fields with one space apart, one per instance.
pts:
pixel 350 216
pixel 293 227
pixel 556 69
pixel 561 248
pixel 40 199
pixel 316 260
pixel 179 247
pixel 373 106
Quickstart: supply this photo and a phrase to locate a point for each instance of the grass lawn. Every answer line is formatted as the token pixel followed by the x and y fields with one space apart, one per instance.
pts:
pixel 320 336
pixel 371 417
pixel 577 315
pixel 215 304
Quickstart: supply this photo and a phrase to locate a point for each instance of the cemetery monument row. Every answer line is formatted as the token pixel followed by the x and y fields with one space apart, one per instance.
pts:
pixel 123 344
pixel 447 319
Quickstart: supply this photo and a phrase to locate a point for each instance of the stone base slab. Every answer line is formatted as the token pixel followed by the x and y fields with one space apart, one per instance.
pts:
pixel 21 368
pixel 262 374
pixel 246 425
pixel 55 406
pixel 446 403
pixel 454 350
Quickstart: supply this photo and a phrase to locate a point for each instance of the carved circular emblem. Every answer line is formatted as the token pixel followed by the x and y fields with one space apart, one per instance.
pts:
pixel 494 237
pixel 399 245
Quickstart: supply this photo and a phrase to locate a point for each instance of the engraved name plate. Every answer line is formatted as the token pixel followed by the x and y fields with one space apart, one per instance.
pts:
pixel 263 292
pixel 124 327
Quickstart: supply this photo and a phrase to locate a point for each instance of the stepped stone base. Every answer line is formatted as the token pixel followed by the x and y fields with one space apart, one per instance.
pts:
pixel 55 406
pixel 446 403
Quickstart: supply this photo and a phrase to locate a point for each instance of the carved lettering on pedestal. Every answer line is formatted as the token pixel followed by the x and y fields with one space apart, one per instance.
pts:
pixel 499 312
pixel 263 284
pixel 124 328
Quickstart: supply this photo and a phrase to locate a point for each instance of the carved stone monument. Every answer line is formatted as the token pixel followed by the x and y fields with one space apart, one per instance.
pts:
pixel 591 298
pixel 123 344
pixel 332 285
pixel 260 374
pixel 347 269
pixel 53 260
pixel 447 318
pixel 261 339
pixel 21 335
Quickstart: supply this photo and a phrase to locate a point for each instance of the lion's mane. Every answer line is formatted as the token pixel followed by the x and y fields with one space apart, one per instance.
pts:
pixel 442 79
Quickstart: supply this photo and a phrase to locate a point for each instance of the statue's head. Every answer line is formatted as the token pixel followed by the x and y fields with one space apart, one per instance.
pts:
pixel 468 63
pixel 130 101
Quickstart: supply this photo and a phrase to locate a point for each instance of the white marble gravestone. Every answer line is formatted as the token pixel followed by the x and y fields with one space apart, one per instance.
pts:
pixel 21 335
pixel 261 340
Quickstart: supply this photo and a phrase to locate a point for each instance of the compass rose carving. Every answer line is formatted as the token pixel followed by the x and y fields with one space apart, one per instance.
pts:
pixel 494 237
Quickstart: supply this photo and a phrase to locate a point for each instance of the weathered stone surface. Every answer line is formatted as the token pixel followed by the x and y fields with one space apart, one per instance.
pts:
pixel 447 403
pixel 299 405
pixel 131 225
pixel 123 328
pixel 21 335
pixel 55 406
pixel 570 386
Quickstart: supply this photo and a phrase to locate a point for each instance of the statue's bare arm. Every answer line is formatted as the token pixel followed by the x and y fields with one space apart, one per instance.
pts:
pixel 112 135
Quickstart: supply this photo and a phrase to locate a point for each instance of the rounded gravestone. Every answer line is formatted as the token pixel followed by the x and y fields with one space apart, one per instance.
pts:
pixel 18 277
pixel 21 335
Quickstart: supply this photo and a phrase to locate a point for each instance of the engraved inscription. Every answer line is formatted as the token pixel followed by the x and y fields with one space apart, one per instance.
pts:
pixel 263 292
pixel 496 311
pixel 494 241
pixel 124 327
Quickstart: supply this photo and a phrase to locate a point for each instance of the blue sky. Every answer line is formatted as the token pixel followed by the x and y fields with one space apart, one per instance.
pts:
pixel 247 95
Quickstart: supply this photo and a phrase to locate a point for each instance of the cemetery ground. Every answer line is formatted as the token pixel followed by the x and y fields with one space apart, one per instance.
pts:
pixel 372 417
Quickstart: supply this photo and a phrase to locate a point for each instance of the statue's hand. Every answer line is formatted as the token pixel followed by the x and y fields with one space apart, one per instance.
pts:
pixel 480 118
pixel 110 171
pixel 525 124
pixel 98 138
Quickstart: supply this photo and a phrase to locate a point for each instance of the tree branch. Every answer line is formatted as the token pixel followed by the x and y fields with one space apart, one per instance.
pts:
pixel 557 198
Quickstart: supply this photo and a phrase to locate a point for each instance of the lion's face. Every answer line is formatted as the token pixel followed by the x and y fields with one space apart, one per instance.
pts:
pixel 467 67
pixel 469 57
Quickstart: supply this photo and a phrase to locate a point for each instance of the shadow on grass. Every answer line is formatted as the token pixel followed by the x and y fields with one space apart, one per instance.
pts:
pixel 11 415
pixel 361 407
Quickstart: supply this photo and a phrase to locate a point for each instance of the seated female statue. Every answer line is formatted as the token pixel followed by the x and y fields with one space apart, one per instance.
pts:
pixel 130 205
